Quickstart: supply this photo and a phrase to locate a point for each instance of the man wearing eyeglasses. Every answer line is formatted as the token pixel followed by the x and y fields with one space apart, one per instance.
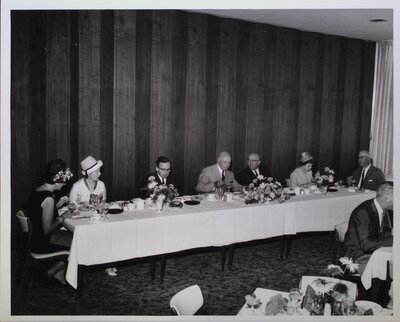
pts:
pixel 253 170
pixel 162 175
pixel 367 176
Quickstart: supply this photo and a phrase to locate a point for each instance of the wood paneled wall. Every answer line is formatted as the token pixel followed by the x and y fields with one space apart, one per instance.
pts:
pixel 128 86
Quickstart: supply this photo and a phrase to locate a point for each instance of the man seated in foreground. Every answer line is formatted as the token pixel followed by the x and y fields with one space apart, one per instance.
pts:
pixel 217 174
pixel 370 227
pixel 253 170
pixel 367 176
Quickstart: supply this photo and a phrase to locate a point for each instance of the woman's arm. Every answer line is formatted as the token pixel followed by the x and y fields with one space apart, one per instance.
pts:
pixel 47 216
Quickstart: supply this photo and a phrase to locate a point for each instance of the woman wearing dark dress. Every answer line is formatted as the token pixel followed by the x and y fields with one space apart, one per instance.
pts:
pixel 41 209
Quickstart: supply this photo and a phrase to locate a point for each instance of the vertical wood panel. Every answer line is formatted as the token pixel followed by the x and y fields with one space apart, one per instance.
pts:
pixel 57 86
pixel 285 108
pixel 178 132
pixel 213 61
pixel 195 100
pixel 255 86
pixel 124 103
pixel 106 100
pixel 307 89
pixel 161 86
pixel 227 86
pixel 329 99
pixel 89 84
pixel 143 67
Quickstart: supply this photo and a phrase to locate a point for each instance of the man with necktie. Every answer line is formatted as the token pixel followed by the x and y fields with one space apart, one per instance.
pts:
pixel 370 227
pixel 162 175
pixel 217 174
pixel 253 170
pixel 367 176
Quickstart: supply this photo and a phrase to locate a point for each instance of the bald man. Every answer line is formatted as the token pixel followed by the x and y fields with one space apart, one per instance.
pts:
pixel 217 173
pixel 367 176
pixel 253 170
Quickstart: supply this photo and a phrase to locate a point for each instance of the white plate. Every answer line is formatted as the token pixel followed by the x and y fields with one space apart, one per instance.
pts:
pixel 366 305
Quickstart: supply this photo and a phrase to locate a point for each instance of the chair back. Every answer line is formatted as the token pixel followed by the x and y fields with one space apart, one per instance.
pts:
pixel 23 221
pixel 308 280
pixel 187 301
pixel 341 229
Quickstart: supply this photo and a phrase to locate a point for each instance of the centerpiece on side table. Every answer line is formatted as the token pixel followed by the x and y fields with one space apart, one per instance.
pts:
pixel 161 193
pixel 263 189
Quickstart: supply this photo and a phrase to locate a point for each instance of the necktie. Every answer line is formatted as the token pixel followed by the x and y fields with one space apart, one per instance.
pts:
pixel 255 173
pixel 164 181
pixel 223 176
pixel 362 179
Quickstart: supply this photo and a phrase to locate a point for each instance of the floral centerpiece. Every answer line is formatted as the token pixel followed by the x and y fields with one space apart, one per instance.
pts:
pixel 161 192
pixel 326 178
pixel 263 189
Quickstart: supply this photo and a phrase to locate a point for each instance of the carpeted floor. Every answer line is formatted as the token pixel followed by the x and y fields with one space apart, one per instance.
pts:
pixel 256 264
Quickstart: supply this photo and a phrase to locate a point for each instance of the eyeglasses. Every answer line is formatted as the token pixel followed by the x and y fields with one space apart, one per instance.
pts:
pixel 169 169
pixel 253 160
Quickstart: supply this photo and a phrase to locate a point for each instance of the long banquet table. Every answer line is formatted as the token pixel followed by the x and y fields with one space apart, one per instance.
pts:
pixel 143 233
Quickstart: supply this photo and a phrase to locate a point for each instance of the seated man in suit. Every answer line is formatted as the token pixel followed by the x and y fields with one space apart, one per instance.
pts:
pixel 367 176
pixel 217 173
pixel 253 170
pixel 162 175
pixel 370 227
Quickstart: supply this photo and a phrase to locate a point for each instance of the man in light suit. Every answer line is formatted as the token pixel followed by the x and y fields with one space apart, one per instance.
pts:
pixel 162 175
pixel 217 173
pixel 253 170
pixel 370 227
pixel 367 176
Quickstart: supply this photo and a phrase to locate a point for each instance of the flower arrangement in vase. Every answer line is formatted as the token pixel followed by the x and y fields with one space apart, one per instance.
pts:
pixel 262 189
pixel 161 193
pixel 326 178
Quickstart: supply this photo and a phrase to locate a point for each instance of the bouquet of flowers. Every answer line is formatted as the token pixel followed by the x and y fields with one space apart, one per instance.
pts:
pixel 262 189
pixel 326 178
pixel 162 192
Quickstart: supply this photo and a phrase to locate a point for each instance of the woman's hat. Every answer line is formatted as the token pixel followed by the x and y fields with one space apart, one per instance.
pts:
pixel 306 157
pixel 90 164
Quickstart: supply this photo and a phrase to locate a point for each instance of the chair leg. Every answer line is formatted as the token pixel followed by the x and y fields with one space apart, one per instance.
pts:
pixel 282 241
pixel 152 268
pixel 230 261
pixel 223 256
pixel 288 244
pixel 162 269
pixel 332 239
pixel 25 283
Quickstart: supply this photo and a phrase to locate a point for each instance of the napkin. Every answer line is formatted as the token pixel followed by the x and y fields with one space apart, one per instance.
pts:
pixel 275 305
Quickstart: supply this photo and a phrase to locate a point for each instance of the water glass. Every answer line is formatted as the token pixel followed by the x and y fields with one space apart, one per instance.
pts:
pixel 348 306
pixel 295 296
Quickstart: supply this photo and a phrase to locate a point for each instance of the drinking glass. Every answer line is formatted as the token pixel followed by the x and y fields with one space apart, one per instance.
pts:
pixel 295 296
pixel 348 306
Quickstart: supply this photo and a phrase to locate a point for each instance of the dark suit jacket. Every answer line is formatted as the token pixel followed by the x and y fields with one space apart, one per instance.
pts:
pixel 246 176
pixel 144 193
pixel 364 234
pixel 373 179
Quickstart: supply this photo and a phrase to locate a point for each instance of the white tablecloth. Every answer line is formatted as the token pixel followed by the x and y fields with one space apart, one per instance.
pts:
pixel 376 266
pixel 142 233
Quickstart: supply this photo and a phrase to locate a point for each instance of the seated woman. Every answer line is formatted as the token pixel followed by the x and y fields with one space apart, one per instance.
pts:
pixel 302 175
pixel 41 209
pixel 90 185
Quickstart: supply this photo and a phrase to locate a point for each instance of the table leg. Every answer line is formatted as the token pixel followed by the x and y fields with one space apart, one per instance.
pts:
pixel 152 268
pixel 282 241
pixel 80 279
pixel 162 269
pixel 223 256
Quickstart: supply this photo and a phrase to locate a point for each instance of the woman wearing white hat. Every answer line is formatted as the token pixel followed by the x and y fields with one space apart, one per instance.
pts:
pixel 302 175
pixel 90 183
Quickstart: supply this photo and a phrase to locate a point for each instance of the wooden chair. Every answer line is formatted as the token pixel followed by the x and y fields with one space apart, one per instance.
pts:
pixel 339 232
pixel 187 301
pixel 29 260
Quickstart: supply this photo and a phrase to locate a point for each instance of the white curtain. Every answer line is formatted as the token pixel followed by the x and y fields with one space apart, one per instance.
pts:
pixel 381 145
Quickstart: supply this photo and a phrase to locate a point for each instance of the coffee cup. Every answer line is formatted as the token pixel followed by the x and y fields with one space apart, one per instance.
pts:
pixel 131 206
pixel 297 191
pixel 211 196
pixel 307 191
pixel 139 203
pixel 228 196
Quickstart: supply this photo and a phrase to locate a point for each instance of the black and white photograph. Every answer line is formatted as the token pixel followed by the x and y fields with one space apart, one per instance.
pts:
pixel 212 161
